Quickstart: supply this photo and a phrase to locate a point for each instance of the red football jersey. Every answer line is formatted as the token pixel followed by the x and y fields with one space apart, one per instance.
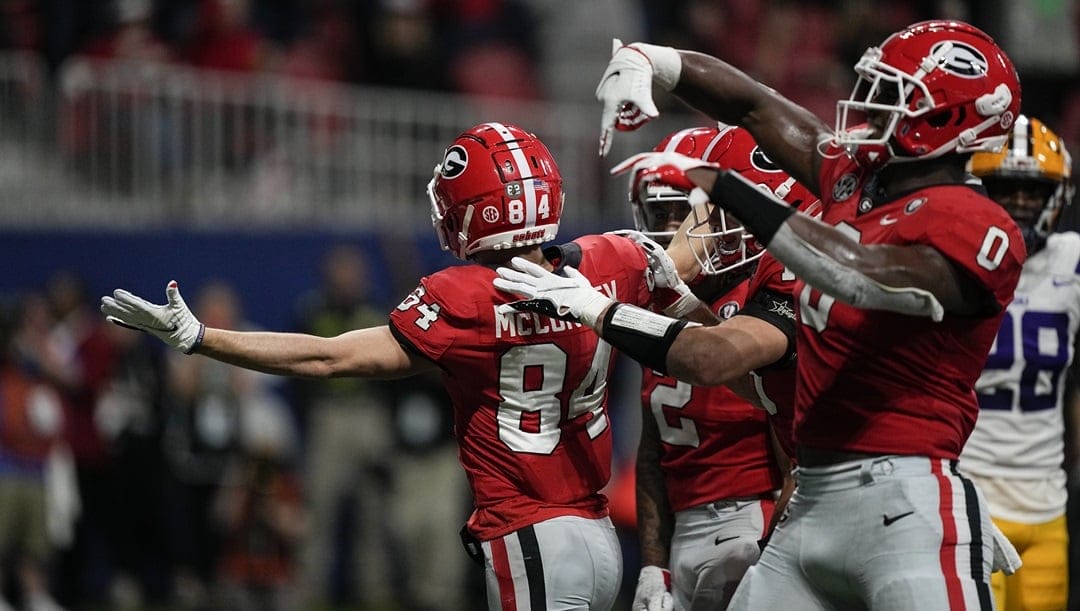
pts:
pixel 881 382
pixel 529 392
pixel 715 444
pixel 776 385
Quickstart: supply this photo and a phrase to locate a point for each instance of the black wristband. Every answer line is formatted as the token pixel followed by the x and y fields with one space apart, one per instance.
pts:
pixel 761 213
pixel 640 334
pixel 198 340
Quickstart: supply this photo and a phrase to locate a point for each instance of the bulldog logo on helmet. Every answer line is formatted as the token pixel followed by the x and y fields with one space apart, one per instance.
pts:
pixel 455 162
pixel 960 59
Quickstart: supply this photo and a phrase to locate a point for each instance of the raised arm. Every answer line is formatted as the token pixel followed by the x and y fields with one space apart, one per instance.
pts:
pixel 368 353
pixel 787 132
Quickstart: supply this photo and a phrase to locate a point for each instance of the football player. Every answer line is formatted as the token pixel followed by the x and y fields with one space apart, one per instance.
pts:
pixel 529 393
pixel 707 468
pixel 902 286
pixel 1016 452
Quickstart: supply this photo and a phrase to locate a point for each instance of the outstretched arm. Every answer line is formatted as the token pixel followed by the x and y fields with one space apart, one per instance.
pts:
pixel 704 356
pixel 917 280
pixel 365 353
pixel 369 353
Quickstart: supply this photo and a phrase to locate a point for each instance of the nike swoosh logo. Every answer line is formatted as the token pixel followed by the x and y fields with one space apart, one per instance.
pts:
pixel 607 78
pixel 886 520
pixel 718 540
pixel 888 220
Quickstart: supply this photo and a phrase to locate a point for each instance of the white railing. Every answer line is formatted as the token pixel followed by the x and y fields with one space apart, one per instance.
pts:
pixel 141 144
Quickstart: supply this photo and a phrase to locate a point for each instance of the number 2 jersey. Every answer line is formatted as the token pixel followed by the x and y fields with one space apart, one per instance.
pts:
pixel 529 392
pixel 1020 433
pixel 886 383
pixel 716 445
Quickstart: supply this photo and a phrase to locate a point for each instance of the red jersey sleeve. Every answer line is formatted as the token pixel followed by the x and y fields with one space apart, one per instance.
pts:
pixel 973 232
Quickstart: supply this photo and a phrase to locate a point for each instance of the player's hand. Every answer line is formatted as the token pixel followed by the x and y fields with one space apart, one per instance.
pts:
pixel 653 591
pixel 670 294
pixel 1006 559
pixel 173 323
pixel 667 168
pixel 625 89
pixel 569 297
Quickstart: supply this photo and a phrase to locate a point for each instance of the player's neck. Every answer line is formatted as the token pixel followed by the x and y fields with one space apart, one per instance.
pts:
pixel 497 258
pixel 906 177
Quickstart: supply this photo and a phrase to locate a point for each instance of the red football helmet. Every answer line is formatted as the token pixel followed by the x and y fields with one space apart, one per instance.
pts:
pixel 497 187
pixel 934 88
pixel 719 241
pixel 658 208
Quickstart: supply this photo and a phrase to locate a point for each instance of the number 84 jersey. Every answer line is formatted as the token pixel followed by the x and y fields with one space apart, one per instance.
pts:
pixel 1020 430
pixel 529 392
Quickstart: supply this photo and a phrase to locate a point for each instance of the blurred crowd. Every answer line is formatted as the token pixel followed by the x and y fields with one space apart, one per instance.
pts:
pixel 535 49
pixel 132 478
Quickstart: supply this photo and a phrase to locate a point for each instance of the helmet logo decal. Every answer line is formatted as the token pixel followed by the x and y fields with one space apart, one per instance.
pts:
pixel 914 205
pixel 761 161
pixel 960 59
pixel 455 162
pixel 490 214
pixel 728 310
pixel 845 187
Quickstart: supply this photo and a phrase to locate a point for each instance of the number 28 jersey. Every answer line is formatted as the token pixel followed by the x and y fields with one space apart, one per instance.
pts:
pixel 529 392
pixel 1020 432
pixel 886 383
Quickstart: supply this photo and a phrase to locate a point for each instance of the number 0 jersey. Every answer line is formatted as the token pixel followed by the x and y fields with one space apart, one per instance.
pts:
pixel 529 392
pixel 715 445
pixel 1020 432
pixel 886 383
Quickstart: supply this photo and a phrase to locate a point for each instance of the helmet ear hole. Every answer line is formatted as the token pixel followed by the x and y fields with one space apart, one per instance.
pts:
pixel 940 119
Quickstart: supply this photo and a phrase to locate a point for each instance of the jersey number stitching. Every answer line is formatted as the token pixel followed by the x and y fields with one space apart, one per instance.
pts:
pixel 532 380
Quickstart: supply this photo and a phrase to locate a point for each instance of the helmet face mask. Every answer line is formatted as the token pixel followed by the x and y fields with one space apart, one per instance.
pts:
pixel 718 240
pixel 935 88
pixel 497 187
pixel 659 210
pixel 1031 177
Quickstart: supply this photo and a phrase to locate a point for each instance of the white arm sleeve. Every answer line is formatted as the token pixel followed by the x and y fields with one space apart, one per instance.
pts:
pixel 846 284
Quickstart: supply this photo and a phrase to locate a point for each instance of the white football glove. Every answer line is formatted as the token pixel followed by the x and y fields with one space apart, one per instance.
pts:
pixel 653 590
pixel 173 323
pixel 569 297
pixel 625 89
pixel 673 295
pixel 1005 556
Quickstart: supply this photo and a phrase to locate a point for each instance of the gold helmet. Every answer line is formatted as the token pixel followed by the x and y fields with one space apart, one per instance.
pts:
pixel 1034 162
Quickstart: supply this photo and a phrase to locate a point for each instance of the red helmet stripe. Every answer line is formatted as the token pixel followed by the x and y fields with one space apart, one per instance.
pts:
pixel 524 170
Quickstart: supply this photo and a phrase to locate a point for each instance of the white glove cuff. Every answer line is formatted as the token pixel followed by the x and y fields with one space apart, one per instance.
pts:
pixel 593 308
pixel 683 306
pixel 191 338
pixel 666 64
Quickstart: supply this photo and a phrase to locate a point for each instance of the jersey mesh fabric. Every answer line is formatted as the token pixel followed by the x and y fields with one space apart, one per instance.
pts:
pixel 716 445
pixel 529 393
pixel 885 383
